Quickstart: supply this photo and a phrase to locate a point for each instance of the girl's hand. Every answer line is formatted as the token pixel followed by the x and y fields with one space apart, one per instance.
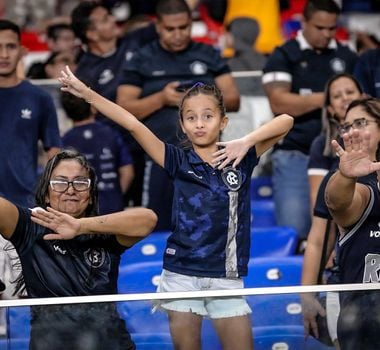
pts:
pixel 234 150
pixel 64 225
pixel 72 84
pixel 354 159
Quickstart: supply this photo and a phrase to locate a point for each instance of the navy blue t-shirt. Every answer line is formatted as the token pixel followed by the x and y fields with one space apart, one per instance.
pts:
pixel 27 115
pixel 367 72
pixel 211 223
pixel 85 265
pixel 320 164
pixel 102 73
pixel 151 68
pixel 359 247
pixel 307 71
pixel 107 152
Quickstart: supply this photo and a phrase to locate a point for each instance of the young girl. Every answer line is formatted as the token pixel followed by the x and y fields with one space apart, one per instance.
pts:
pixel 209 246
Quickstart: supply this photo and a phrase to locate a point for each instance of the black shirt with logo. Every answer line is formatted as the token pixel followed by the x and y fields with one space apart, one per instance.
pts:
pixel 86 265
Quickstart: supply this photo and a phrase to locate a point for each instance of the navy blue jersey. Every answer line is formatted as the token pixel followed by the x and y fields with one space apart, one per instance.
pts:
pixel 211 219
pixel 27 115
pixel 101 73
pixel 308 71
pixel 367 72
pixel 318 163
pixel 107 152
pixel 151 68
pixel 320 208
pixel 359 246
pixel 359 262
pixel 85 265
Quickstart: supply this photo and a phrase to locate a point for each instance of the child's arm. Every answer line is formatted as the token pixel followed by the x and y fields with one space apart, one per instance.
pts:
pixel 263 138
pixel 151 144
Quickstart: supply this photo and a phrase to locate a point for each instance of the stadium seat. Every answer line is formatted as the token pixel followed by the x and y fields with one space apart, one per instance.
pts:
pixel 273 241
pixel 261 188
pixel 149 249
pixel 285 309
pixel 263 213
pixel 19 322
pixel 152 341
pixel 140 319
pixel 274 271
pixel 140 277
pixel 14 344
pixel 284 338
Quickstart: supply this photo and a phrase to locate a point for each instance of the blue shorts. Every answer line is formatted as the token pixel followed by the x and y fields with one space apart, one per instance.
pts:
pixel 213 307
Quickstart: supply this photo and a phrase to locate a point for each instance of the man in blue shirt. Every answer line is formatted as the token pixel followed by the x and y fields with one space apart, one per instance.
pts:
pixel 27 116
pixel 104 148
pixel 367 71
pixel 101 63
pixel 153 83
pixel 294 79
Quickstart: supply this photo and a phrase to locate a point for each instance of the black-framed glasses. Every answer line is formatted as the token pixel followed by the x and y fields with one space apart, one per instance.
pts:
pixel 63 185
pixel 356 124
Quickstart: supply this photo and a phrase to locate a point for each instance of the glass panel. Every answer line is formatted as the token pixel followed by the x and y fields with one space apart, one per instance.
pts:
pixel 277 320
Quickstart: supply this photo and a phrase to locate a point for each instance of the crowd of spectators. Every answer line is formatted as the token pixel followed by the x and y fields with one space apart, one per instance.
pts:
pixel 144 58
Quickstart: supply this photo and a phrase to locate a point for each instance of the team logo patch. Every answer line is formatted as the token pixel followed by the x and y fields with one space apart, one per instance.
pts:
pixel 87 134
pixel 232 178
pixel 198 68
pixel 337 65
pixel 95 257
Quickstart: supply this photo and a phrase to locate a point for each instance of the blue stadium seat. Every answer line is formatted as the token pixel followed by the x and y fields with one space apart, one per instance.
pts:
pixel 263 213
pixel 19 322
pixel 140 319
pixel 284 337
pixel 284 309
pixel 14 344
pixel 261 188
pixel 149 249
pixel 153 341
pixel 274 271
pixel 273 241
pixel 140 277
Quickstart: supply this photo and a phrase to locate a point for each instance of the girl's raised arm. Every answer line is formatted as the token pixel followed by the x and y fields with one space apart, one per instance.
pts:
pixel 263 138
pixel 148 141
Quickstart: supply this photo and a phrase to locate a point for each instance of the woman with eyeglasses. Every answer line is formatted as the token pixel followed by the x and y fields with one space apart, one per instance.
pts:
pixel 361 115
pixel 79 256
pixel 340 91
pixel 355 207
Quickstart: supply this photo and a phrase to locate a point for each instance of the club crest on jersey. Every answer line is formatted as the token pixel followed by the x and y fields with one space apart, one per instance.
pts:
pixel 232 178
pixel 95 257
pixel 337 65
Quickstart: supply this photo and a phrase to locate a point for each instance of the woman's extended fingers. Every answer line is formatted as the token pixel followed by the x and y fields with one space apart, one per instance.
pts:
pixel 347 142
pixel 338 148
pixel 356 141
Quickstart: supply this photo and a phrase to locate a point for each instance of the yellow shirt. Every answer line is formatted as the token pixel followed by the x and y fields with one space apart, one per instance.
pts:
pixel 267 13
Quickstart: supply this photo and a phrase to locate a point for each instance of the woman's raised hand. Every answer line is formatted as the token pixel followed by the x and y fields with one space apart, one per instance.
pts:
pixel 354 159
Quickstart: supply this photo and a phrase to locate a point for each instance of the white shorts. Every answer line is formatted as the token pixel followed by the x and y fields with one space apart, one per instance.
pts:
pixel 332 313
pixel 214 307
